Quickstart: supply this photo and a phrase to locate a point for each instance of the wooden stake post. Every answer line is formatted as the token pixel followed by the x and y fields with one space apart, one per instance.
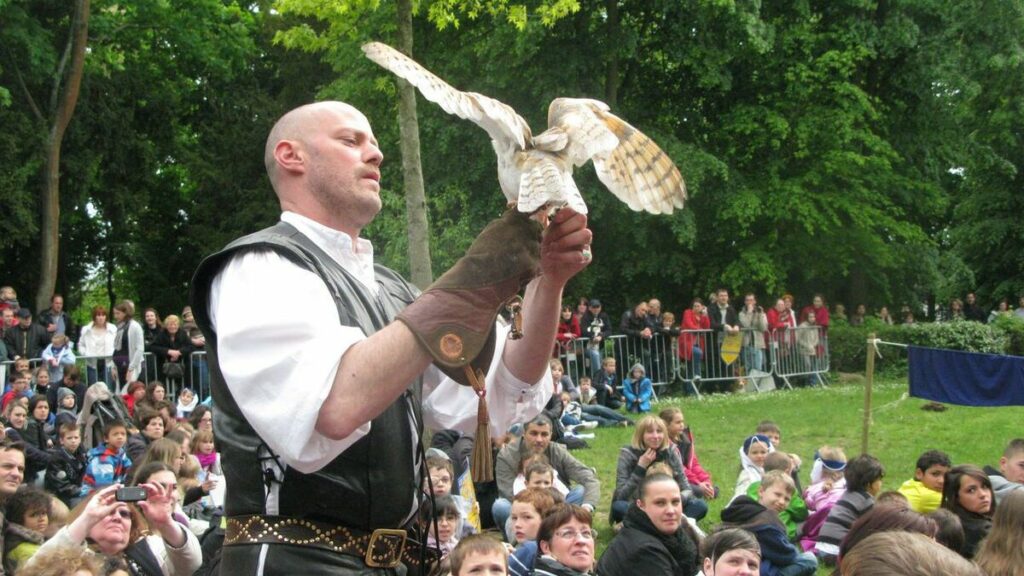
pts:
pixel 866 428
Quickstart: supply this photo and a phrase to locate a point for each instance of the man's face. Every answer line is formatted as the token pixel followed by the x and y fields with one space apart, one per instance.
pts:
pixel 595 310
pixel 57 304
pixel 12 471
pixel 1013 467
pixel 934 477
pixel 970 298
pixel 775 497
pixel 71 441
pixel 8 316
pixel 25 321
pixel 538 437
pixel 641 309
pixel 723 297
pixel 654 308
pixel 117 437
pixel 343 163
pixel 20 384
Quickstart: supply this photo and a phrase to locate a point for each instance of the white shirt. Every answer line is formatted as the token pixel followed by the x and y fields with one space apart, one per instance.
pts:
pixel 280 344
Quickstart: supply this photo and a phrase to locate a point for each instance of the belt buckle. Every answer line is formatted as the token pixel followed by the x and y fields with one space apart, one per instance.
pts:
pixel 385 548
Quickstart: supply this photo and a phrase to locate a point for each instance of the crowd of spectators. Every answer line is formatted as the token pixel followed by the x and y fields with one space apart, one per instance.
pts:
pixel 71 445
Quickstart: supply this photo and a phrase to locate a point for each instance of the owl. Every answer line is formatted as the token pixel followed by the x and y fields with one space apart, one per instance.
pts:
pixel 535 172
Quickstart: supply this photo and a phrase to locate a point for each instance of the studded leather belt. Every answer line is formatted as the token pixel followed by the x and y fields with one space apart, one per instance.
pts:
pixel 382 548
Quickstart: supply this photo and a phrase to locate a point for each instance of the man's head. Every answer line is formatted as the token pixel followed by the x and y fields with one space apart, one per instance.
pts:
pixel 1012 462
pixel 12 467
pixel 479 555
pixel 24 317
pixel 57 303
pixel 770 429
pixel 776 490
pixel 324 163
pixel 609 365
pixel 8 317
pixel 20 382
pixel 539 475
pixel 931 469
pixel 70 436
pixel 538 434
pixel 441 473
pixel 654 307
pixel 722 296
pixel 115 435
pixel 640 310
pixel 970 298
pixel 594 306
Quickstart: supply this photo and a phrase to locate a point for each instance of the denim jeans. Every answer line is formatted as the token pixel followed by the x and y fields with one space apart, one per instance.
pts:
pixel 603 415
pixel 804 565
pixel 753 358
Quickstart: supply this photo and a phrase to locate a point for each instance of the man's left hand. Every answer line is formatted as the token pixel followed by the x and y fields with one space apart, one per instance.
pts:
pixel 565 249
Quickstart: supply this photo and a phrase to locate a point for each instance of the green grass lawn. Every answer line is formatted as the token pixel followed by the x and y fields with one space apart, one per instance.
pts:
pixel 809 418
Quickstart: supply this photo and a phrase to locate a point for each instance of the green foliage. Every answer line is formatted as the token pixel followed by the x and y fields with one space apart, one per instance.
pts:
pixel 848 344
pixel 1012 328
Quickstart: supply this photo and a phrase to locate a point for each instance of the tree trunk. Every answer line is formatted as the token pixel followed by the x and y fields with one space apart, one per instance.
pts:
pixel 611 81
pixel 65 98
pixel 412 172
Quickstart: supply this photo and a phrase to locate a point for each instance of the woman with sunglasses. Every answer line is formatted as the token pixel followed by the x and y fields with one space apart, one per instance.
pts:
pixel 566 542
pixel 115 529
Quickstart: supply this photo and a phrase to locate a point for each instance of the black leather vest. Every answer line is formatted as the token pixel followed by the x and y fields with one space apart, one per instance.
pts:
pixel 373 483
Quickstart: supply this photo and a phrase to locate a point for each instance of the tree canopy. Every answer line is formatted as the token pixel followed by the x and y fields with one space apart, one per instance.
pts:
pixel 866 150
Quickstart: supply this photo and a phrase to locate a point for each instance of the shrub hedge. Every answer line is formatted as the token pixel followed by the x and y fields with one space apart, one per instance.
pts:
pixel 848 344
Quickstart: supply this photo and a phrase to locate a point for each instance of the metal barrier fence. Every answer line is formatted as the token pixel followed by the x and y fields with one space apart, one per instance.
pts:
pixel 800 351
pixel 94 368
pixel 695 358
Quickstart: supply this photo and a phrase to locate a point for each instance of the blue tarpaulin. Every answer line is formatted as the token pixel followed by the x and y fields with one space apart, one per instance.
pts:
pixel 966 378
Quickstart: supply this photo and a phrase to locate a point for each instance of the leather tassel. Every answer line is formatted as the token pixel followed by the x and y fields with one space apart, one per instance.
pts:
pixel 482 463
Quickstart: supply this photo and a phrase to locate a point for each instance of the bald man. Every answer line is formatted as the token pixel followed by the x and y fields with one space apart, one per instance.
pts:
pixel 325 367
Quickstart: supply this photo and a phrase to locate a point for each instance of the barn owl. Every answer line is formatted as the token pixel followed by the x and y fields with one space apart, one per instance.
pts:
pixel 535 172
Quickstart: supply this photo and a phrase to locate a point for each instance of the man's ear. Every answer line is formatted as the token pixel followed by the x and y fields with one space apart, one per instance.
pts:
pixel 290 156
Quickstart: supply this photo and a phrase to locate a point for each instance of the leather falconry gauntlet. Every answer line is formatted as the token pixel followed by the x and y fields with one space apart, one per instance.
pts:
pixel 454 318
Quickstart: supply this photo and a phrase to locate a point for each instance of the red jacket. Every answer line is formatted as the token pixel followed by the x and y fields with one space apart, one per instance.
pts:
pixel 686 339
pixel 820 316
pixel 695 473
pixel 562 342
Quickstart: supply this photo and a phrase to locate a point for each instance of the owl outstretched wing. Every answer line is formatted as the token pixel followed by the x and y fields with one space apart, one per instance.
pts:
pixel 499 120
pixel 629 163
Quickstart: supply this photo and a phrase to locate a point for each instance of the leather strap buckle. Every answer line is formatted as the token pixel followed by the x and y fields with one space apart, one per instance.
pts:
pixel 385 548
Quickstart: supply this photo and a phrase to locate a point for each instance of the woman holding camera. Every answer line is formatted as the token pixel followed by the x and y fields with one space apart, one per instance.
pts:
pixel 107 522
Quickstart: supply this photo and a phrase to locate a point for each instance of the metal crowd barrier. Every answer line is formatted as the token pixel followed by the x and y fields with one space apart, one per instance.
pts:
pixel 790 353
pixel 800 351
pixel 657 354
pixel 196 373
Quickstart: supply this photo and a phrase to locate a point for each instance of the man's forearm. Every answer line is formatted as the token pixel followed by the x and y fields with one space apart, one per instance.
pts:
pixel 527 359
pixel 371 375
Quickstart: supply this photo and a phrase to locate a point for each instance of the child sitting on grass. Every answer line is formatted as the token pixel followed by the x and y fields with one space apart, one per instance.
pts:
pixel 796 510
pixel 924 490
pixel 779 557
pixel 863 482
pixel 827 486
pixel 682 437
pixel 752 455
pixel 528 509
